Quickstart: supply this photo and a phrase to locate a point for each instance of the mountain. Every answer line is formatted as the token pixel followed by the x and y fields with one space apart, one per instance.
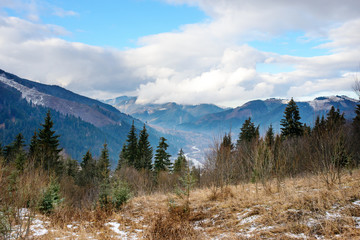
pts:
pixel 83 123
pixel 168 115
pixel 271 111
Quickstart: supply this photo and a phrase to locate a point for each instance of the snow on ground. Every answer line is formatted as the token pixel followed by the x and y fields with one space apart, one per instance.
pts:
pixel 38 228
pixel 30 94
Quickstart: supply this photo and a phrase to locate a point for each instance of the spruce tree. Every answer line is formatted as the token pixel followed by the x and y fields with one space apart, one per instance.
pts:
pixel 162 158
pixel 131 151
pixel 104 164
pixel 145 151
pixel 334 119
pixel 181 164
pixel 291 125
pixel 104 176
pixel 122 160
pixel 270 137
pixel 49 145
pixel 87 174
pixel 34 147
pixel 248 132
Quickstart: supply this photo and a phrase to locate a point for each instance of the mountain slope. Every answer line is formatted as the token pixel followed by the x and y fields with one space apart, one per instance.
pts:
pixel 83 123
pixel 271 111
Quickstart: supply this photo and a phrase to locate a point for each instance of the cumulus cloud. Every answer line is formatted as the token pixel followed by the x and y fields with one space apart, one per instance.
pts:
pixel 208 61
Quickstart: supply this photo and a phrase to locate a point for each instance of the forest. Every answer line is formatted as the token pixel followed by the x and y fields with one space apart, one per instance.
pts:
pixel 41 179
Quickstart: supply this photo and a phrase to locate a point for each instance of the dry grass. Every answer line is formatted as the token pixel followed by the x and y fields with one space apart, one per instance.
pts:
pixel 303 209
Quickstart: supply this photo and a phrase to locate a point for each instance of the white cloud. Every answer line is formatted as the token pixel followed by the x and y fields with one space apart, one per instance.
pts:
pixel 202 62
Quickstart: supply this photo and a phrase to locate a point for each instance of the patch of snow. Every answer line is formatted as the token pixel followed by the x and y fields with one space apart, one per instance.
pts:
pixel 357 203
pixel 297 236
pixel 250 219
pixel 329 215
pixel 319 105
pixel 30 94
pixel 38 228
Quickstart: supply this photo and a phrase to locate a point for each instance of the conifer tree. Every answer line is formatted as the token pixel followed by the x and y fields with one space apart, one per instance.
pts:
pixel 34 147
pixel 291 125
pixel 87 174
pixel 162 158
pixel 269 137
pixel 248 132
pixel 104 176
pixel 181 163
pixel 122 160
pixel 145 151
pixel 227 142
pixel 49 145
pixel 19 153
pixel 131 151
pixel 104 164
pixel 15 150
pixel 334 119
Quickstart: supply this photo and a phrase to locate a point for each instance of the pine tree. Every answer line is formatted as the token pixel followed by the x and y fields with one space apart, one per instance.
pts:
pixel 181 163
pixel 122 160
pixel 104 176
pixel 291 125
pixel 334 119
pixel 104 164
pixel 270 137
pixel 49 145
pixel 15 149
pixel 145 151
pixel 87 175
pixel 227 142
pixel 131 151
pixel 33 148
pixel 248 132
pixel 162 158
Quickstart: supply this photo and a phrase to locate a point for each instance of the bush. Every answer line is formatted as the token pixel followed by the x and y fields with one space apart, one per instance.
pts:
pixel 51 198
pixel 121 194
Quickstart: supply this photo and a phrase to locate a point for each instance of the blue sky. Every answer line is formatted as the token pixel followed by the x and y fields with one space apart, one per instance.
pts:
pixel 188 51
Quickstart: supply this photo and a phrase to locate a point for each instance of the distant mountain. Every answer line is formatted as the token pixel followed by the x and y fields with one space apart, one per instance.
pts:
pixel 271 111
pixel 168 115
pixel 211 119
pixel 82 122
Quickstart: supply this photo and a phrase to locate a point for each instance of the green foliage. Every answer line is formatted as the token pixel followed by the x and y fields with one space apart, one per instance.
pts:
pixel 131 149
pixel 291 125
pixel 51 198
pixel 145 151
pixel 269 136
pixel 121 193
pixel 49 146
pixel 162 158
pixel 88 172
pixel 104 164
pixel 248 132
pixel 181 164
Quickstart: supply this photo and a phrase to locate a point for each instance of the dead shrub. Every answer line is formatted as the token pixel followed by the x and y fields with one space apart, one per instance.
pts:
pixel 170 227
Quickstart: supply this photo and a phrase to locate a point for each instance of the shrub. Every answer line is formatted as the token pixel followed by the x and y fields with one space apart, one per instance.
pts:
pixel 121 193
pixel 51 197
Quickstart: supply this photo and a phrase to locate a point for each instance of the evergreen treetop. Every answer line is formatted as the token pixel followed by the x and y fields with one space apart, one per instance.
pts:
pixel 49 145
pixel 145 151
pixel 104 164
pixel 181 164
pixel 162 158
pixel 291 125
pixel 248 132
pixel 131 150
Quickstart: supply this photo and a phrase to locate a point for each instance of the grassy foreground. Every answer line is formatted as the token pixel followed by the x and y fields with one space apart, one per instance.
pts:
pixel 304 208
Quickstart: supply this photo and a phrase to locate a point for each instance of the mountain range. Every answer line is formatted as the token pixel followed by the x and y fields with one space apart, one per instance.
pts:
pixel 82 123
pixel 85 123
pixel 209 118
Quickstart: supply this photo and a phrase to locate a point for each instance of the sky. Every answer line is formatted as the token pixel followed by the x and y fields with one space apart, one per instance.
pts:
pixel 225 52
